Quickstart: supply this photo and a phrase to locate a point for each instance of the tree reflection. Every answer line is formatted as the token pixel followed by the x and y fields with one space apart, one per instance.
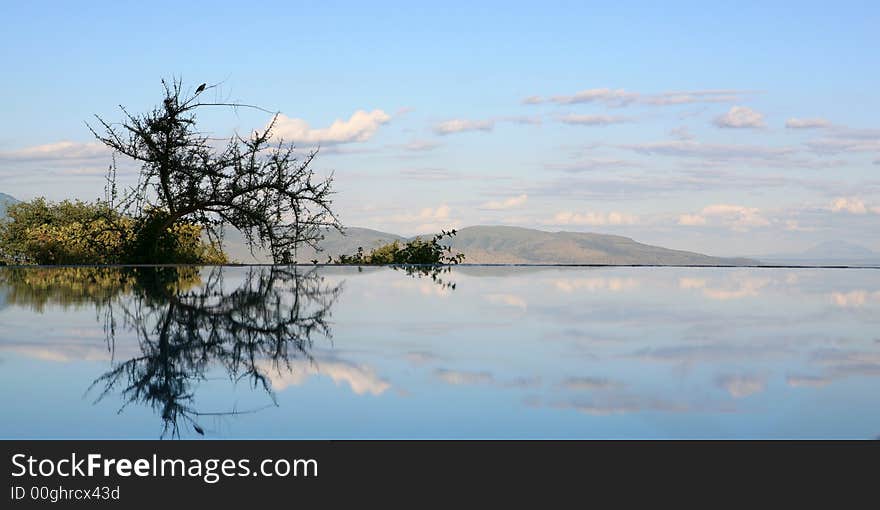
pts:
pixel 274 315
pixel 190 320
pixel 434 272
pixel 187 321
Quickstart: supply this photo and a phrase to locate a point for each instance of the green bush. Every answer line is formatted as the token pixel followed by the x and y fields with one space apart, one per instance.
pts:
pixel 79 233
pixel 417 251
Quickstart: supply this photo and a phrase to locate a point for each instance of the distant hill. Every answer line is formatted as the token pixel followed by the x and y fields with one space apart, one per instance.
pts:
pixel 6 201
pixel 827 253
pixel 508 245
pixel 516 245
pixel 334 244
pixel 839 250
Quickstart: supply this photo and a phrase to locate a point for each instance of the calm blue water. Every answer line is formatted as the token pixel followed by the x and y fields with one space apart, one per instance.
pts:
pixel 478 352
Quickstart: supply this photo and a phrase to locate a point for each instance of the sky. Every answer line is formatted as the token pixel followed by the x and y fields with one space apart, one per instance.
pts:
pixel 742 129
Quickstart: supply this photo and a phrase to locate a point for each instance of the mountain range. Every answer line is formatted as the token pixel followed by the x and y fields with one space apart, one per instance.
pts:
pixel 827 253
pixel 6 201
pixel 505 245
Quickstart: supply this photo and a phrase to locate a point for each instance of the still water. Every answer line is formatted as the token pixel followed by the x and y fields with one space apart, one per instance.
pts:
pixel 475 352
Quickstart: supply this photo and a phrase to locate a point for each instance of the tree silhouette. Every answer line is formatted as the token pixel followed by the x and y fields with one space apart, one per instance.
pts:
pixel 253 184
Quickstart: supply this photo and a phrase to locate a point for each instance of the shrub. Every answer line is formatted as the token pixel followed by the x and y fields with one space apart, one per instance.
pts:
pixel 417 251
pixel 79 233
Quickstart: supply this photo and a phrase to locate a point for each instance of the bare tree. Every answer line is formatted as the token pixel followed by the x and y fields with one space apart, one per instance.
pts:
pixel 254 184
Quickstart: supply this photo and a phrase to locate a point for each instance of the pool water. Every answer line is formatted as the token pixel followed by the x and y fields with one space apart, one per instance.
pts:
pixel 470 352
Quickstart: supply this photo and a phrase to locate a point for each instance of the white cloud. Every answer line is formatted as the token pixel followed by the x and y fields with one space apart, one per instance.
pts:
pixel 451 126
pixel 611 97
pixel 740 117
pixel 427 213
pixel 592 120
pixel 737 217
pixel 64 150
pixel 431 174
pixel 695 96
pixel 725 209
pixel 463 125
pixel 420 146
pixel 593 218
pixel 590 164
pixel 795 226
pixel 621 97
pixel 533 100
pixel 681 133
pixel 852 205
pixel 360 127
pixel 841 139
pixel 444 174
pixel 691 220
pixel 836 146
pixel 716 152
pixel 533 120
pixel 815 123
pixel 506 204
pixel 427 219
pixel 717 155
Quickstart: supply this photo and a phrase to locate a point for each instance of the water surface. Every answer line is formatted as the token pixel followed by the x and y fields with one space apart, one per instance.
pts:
pixel 476 352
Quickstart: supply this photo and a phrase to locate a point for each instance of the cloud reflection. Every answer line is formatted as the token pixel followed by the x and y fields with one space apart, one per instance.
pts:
pixel 362 379
pixel 855 298
pixel 595 284
pixel 457 377
pixel 741 386
pixel 589 383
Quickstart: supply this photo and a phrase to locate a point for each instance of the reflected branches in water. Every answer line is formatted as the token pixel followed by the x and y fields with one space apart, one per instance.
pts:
pixel 187 320
pixel 100 287
pixel 273 314
pixel 433 271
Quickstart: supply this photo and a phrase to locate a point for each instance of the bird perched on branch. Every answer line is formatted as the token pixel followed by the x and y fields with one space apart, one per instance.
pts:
pixel 201 88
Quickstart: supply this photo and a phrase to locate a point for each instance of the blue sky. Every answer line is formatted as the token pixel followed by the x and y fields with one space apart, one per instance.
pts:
pixel 739 129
